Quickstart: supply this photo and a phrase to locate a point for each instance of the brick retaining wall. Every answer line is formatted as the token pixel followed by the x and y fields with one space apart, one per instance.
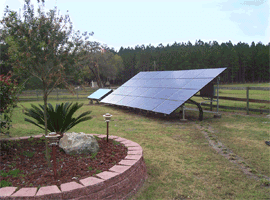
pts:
pixel 119 182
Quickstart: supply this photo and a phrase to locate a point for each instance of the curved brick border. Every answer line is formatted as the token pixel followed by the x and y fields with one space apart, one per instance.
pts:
pixel 119 182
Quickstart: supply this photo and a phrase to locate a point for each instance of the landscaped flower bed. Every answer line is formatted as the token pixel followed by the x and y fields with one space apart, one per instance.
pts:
pixel 24 163
pixel 118 180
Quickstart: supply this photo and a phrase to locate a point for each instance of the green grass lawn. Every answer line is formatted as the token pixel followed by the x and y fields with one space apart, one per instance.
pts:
pixel 246 85
pixel 180 163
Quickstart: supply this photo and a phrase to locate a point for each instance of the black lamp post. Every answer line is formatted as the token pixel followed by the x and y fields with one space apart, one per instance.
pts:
pixel 107 118
pixel 53 138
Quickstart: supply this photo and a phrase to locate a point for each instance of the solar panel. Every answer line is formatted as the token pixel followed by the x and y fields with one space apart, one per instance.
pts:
pixel 161 91
pixel 100 94
pixel 125 101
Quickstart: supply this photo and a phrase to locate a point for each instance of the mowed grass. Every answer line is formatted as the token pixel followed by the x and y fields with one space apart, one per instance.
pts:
pixel 246 136
pixel 246 85
pixel 180 163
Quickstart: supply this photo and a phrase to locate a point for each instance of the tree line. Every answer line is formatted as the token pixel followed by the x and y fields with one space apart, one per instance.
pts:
pixel 83 61
pixel 244 62
pixel 43 48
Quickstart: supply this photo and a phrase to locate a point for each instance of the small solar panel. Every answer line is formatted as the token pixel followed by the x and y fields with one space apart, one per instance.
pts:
pixel 161 91
pixel 100 94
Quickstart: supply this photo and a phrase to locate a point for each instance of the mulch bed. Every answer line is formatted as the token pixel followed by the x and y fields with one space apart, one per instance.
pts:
pixel 23 163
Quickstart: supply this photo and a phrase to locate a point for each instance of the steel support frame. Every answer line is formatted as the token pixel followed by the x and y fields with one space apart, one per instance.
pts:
pixel 199 107
pixel 199 104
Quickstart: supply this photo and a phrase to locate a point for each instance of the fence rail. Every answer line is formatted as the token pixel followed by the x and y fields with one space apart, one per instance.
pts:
pixel 60 94
pixel 244 88
pixel 247 99
pixel 238 108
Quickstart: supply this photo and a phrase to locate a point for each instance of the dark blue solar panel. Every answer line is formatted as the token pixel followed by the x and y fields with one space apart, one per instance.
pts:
pixel 197 84
pixel 147 103
pixel 211 73
pixel 124 90
pixel 150 75
pixel 177 74
pixel 116 98
pixel 125 100
pixel 168 106
pixel 174 83
pixel 151 92
pixel 154 83
pixel 161 91
pixel 100 94
pixel 139 91
pixel 139 75
pixel 183 94
pixel 163 74
pixel 165 93
pixel 192 73
pixel 131 82
pixel 142 82
pixel 135 103
pixel 108 98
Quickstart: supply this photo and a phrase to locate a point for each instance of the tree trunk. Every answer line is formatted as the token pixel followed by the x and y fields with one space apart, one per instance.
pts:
pixel 45 98
pixel 98 77
pixel 244 74
pixel 96 74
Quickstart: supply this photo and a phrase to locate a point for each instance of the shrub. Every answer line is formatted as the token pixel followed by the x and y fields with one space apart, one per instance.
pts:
pixel 8 97
pixel 60 118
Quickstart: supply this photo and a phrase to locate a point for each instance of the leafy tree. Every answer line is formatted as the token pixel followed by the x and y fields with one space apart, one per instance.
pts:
pixel 42 45
pixel 111 66
pixel 89 58
pixel 97 60
pixel 5 68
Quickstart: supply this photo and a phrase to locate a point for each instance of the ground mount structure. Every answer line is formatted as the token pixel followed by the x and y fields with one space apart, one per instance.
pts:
pixel 164 91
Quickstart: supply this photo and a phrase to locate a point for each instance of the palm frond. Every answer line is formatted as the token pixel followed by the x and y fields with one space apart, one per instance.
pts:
pixel 32 122
pixel 59 119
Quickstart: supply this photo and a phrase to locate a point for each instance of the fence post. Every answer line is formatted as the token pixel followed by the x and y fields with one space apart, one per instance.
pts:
pixel 247 100
pixel 218 79
pixel 57 93
pixel 77 95
pixel 211 104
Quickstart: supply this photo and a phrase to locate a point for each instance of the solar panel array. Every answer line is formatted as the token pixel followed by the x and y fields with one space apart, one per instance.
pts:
pixel 100 94
pixel 161 91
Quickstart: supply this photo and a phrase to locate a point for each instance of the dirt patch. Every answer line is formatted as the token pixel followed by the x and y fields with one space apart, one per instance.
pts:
pixel 23 163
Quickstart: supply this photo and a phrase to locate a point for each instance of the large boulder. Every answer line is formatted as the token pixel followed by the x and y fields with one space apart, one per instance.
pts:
pixel 78 143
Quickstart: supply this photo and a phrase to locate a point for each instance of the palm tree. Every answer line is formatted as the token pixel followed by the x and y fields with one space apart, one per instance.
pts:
pixel 60 119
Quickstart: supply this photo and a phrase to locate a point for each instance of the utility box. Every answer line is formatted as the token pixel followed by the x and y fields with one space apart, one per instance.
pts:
pixel 208 90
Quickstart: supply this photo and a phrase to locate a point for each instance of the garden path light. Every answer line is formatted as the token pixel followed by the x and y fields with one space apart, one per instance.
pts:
pixel 53 138
pixel 107 118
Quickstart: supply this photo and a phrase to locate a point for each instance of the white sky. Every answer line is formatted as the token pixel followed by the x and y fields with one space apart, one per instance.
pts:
pixel 136 22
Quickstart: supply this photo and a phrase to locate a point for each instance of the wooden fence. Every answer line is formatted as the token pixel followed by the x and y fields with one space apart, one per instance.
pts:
pixel 57 94
pixel 60 94
pixel 247 99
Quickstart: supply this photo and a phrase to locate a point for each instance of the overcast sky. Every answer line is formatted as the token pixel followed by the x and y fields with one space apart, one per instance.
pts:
pixel 130 23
